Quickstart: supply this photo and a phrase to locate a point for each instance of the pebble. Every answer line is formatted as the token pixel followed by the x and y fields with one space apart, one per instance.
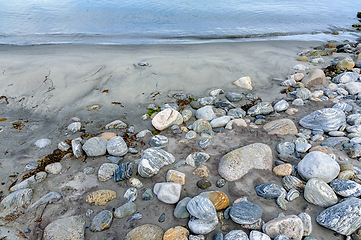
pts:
pixel 31 166
pixel 202 171
pixel 269 190
pixel 207 101
pixel 256 235
pixel 200 226
pixel 286 148
pixel 281 106
pixel 53 168
pixel 143 133
pixel 204 143
pixel 327 119
pixel 236 113
pixel 186 114
pixel 180 211
pixel 89 212
pixel 220 183
pixel 202 208
pixel 303 147
pixel 42 143
pixel 117 147
pixel 262 108
pixel 298 102
pixel 74 127
pixel 106 171
pixel 95 146
pixel 125 210
pixel 161 218
pixel 346 188
pixel 101 221
pixel 218 236
pixel 176 233
pixel 234 96
pixel 176 176
pixel 131 194
pixel 115 160
pixel 319 193
pixel 290 225
pixel 204 184
pixel 167 118
pixel 100 197
pixel 168 192
pixel 65 228
pixel 159 141
pixel 292 195
pixel 152 160
pixel 244 82
pixel 197 158
pixel 219 199
pixel 283 170
pixel 190 135
pixel 169 105
pixel 77 148
pixel 124 171
pixel 46 199
pixel 20 198
pixel 146 231
pixel 147 195
pixel 282 202
pixel 307 223
pixel 88 170
pixel 236 235
pixel 118 124
pixel 245 212
pixel 291 182
pixel 205 113
pixel 220 122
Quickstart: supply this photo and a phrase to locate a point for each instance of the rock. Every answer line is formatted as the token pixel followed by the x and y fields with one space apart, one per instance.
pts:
pixel 117 147
pixel 345 64
pixel 303 147
pixel 218 236
pixel 245 212
pixel 95 146
pixel 176 233
pixel 300 68
pixel 346 77
pixel 74 127
pixel 302 59
pixel 116 124
pixel 205 113
pixel 153 159
pixel 131 194
pixel 191 135
pixel 269 190
pixel 346 188
pixel 281 106
pixel 106 171
pixel 125 210
pixel 235 164
pixel 303 94
pixel 314 77
pixel 343 106
pixel 168 192
pixel 318 165
pixel 343 218
pixel 353 87
pixel 202 171
pixel 200 226
pixel 107 135
pixel 237 122
pixel 169 105
pixel 236 235
pixel 281 127
pixel 244 82
pixel 42 143
pixel 307 223
pixel 283 170
pixel 320 149
pixel 262 108
pixel 319 193
pixel 27 183
pixel 236 113
pixel 180 211
pixel 46 199
pixel 66 228
pixel 100 197
pixel 201 125
pixel 282 237
pixel 282 202
pixel 220 183
pixel 147 195
pixel 159 141
pixel 202 208
pixel 31 166
pixel 256 235
pixel 204 184
pixel 53 168
pixel 286 148
pixel 145 232
pixel 124 171
pixel 220 122
pixel 327 119
pixel 167 118
pixel 219 199
pixel 101 221
pixel 20 198
pixel 176 176
pixel 234 97
pixel 143 133
pixel 291 182
pixel 186 114
pixel 197 158
pixel 292 195
pixel 290 225
pixel 207 101
pixel 77 148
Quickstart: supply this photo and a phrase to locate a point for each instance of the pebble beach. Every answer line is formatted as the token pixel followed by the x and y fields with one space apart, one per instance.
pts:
pixel 254 140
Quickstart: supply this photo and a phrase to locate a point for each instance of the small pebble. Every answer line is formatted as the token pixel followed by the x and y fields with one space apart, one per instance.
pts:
pixel 204 184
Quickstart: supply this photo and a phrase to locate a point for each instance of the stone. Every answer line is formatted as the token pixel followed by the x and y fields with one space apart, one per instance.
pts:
pixel 283 170
pixel 161 218
pixel 201 125
pixel 218 236
pixel 269 190
pixel 291 182
pixel 31 166
pixel 207 101
pixel 20 198
pixel 202 208
pixel 303 147
pixel 145 232
pixel 176 233
pixel 95 146
pixel 244 212
pixel 167 118
pixel 204 184
pixel 262 108
pixel 169 105
pixel 327 119
pixel 219 199
pixel 281 106
pixel 131 194
pixel 106 171
pixel 117 147
pixel 303 93
pixel 205 113
pixel 302 59
pixel 286 148
pixel 314 77
pixel 46 199
pixel 168 192
pixel 353 87
pixel 197 158
pixel 236 235
pixel 319 149
pixel 244 82
pixel 65 228
pixel 235 164
pixel 346 77
pixel 236 113
pixel 318 165
pixel 42 143
pixel 281 127
pixel 125 210
pixel 290 225
pixel 345 64
pixel 319 193
pixel 256 235
pixel 152 160
pixel 74 127
pixel 186 114
pixel 107 135
pixel 300 68
pixel 220 122
pixel 343 106
pixel 159 141
pixel 292 195
pixel 124 171
pixel 234 97
pixel 147 195
pixel 180 211
pixel 346 188
pixel 143 133
pixel 334 141
pixel 220 183
pixel 77 148
pixel 200 226
pixel 282 237
pixel 176 176
pixel 53 168
pixel 101 221
pixel 343 218
pixel 100 197
pixel 202 171
pixel 116 124
pixel 307 223
pixel 282 202
pixel 221 106
pixel 236 122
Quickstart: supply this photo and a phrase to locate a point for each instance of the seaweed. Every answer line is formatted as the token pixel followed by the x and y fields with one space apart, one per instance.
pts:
pixel 250 104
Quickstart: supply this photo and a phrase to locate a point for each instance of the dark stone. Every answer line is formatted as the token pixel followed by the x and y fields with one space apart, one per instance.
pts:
pixel 147 195
pixel 234 97
pixel 223 104
pixel 204 184
pixel 114 159
pixel 269 190
pixel 218 236
pixel 123 172
pixel 346 188
pixel 236 113
pixel 195 105
pixel 245 212
pixel 221 182
pixel 161 218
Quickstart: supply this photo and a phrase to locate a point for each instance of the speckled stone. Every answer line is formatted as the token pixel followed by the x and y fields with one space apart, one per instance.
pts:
pixel 168 192
pixel 106 171
pixel 291 182
pixel 20 198
pixel 176 233
pixel 269 190
pixel 117 147
pixel 245 212
pixel 100 197
pixel 101 221
pixel 286 148
pixel 281 127
pixel 262 108
pixel 290 225
pixel 201 125
pixel 131 194
pixel 197 158
pixel 283 170
pixel 220 183
pixel 202 208
pixel 236 113
pixel 153 159
pixel 77 148
pixel 116 124
pixel 319 193
pixel 236 235
pixel 65 228
pixel 235 164
pixel 327 119
pixel 346 188
pixel 202 171
pixel 219 199
pixel 307 223
pixel 88 170
pixel 176 176
pixel 125 210
pixel 205 113
pixel 145 232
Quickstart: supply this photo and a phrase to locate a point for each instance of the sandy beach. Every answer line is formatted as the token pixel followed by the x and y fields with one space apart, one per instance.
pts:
pixel 44 87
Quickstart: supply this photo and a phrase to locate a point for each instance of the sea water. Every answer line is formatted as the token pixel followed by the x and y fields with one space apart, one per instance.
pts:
pixel 28 22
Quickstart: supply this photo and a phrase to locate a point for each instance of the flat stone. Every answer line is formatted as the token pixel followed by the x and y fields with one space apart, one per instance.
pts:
pixel 281 127
pixel 101 221
pixel 200 226
pixel 307 223
pixel 95 146
pixel 204 184
pixel 202 171
pixel 20 198
pixel 256 235
pixel 334 141
pixel 346 77
pixel 125 210
pixel 319 193
pixel 202 208
pixel 53 168
pixel 303 93
pixel 106 171
pixel 131 194
pixel 176 176
pixel 100 197
pixel 168 192
pixel 207 101
pixel 244 82
pixel 176 233
pixel 236 113
pixel 343 218
pixel 353 87
pixel 346 188
pixel 262 108
pixel 167 118
pixel 116 124
pixel 219 199
pixel 314 77
pixel 300 68
pixel 234 96
pixel 152 160
pixel 186 114
pixel 201 125
pixel 117 147
pixel 65 228
pixel 145 232
pixel 318 165
pixel 31 166
pixel 147 195
pixel 269 190
pixel 124 171
pixel 236 235
pixel 290 225
pixel 235 164
pixel 327 119
pixel 42 143
pixel 205 113
pixel 281 106
pixel 220 122
pixel 303 147
pixel 46 199
pixel 197 158
pixel 169 105
pixel 286 148
pixel 74 127
pixel 180 211
pixel 159 141
pixel 245 212
pixel 283 170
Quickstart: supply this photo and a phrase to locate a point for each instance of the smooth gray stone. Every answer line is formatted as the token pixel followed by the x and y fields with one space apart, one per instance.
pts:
pixel 327 119
pixel 180 164
pixel 343 218
pixel 281 106
pixel 216 92
pixel 234 97
pixel 197 158
pixel 319 193
pixel 358 64
pixel 115 160
pixel 220 122
pixel 204 143
pixel 147 195
pixel 354 128
pixel 336 134
pixel 269 190
pixel 190 135
pixel 298 102
pixel 303 147
pixel 291 182
pixel 200 226
pixel 286 148
pixel 236 235
pixel 236 113
pixel 256 235
pixel 169 105
pixel 318 165
pixel 202 208
pixel 334 141
pixel 201 125
pixel 289 158
pixel 27 183
pixel 101 221
pixel 262 108
pixel 95 146
pixel 245 212
pixel 195 105
pixel 181 96
pixel 282 237
pixel 343 106
pixel 65 228
pixel 205 113
pixel 123 172
pixel 218 236
pixel 20 198
pixel 131 194
pixel 159 141
pixel 46 199
pixel 180 211
pixel 346 77
pixel 117 147
pixel 31 166
pixel 307 223
pixel 152 160
pixel 292 195
pixel 303 94
pixel 125 210
pixel 207 101
pixel 346 188
pixel 76 148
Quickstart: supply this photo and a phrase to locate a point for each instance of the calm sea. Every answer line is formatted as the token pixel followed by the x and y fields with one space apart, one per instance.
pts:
pixel 27 22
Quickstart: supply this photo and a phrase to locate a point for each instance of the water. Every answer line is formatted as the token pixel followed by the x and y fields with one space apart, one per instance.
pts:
pixel 27 22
